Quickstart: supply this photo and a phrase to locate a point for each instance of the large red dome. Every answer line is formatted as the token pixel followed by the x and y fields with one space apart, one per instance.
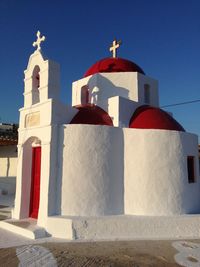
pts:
pixel 91 114
pixel 113 65
pixel 147 117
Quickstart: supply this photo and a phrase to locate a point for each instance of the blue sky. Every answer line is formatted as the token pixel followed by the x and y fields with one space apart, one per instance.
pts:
pixel 161 36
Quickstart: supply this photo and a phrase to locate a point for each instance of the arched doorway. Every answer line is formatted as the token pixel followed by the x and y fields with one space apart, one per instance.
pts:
pixel 35 182
pixel 30 184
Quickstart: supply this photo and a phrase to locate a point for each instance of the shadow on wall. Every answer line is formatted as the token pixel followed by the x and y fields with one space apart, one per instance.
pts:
pixel 116 171
pixel 8 161
pixel 8 169
pixel 60 168
pixel 8 166
pixel 109 90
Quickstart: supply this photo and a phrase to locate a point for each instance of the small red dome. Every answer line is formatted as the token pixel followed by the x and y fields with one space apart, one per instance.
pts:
pixel 91 114
pixel 113 65
pixel 147 117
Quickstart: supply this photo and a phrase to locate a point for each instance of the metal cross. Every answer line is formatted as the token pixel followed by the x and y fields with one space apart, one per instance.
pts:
pixel 39 40
pixel 114 47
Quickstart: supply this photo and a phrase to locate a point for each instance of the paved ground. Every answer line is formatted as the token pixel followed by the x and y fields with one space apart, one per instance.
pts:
pixel 116 253
pixel 19 251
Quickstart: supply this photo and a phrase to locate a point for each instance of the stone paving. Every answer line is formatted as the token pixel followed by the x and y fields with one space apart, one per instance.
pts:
pixel 116 253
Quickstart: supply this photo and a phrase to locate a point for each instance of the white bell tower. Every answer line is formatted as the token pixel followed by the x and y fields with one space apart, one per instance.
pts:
pixel 42 77
pixel 38 125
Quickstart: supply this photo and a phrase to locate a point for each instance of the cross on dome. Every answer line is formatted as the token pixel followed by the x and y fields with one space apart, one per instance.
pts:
pixel 115 45
pixel 38 41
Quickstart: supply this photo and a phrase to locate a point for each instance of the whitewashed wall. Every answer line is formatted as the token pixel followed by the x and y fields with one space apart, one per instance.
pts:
pixel 92 170
pixel 156 181
pixel 129 85
pixel 121 110
pixel 8 161
pixel 8 168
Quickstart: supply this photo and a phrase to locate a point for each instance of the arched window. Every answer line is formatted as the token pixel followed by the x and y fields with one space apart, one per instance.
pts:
pixel 94 96
pixel 84 95
pixel 35 85
pixel 147 94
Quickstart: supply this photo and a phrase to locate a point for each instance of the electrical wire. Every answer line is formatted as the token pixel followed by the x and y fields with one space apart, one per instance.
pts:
pixel 181 103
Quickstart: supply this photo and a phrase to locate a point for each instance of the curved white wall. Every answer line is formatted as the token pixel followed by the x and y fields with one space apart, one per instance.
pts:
pixel 92 170
pixel 156 180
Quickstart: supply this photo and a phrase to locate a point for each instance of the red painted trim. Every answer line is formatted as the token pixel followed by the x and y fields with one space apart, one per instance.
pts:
pixel 35 182
pixel 147 117
pixel 91 114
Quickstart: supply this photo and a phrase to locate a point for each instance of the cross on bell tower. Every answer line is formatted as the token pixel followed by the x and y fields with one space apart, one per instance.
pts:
pixel 38 41
pixel 115 45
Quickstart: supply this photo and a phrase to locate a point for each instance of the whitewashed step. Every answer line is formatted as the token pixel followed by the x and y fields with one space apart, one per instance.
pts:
pixel 26 227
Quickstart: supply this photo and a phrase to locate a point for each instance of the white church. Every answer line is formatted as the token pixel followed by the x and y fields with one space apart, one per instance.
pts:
pixel 113 164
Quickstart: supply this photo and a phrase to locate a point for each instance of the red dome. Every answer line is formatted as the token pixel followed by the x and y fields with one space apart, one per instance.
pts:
pixel 91 114
pixel 113 65
pixel 146 117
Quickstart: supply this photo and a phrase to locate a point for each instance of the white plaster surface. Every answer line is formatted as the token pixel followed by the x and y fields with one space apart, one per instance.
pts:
pixel 156 181
pixel 49 79
pixel 155 176
pixel 8 169
pixel 32 231
pixel 124 227
pixel 11 239
pixel 121 110
pixel 8 161
pixel 137 227
pixel 60 227
pixel 91 170
pixel 129 85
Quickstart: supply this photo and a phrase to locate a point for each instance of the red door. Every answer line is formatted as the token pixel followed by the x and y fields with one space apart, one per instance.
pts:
pixel 35 182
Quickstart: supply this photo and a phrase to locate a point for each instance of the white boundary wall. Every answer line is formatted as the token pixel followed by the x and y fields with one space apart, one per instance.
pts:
pixel 8 161
pixel 8 169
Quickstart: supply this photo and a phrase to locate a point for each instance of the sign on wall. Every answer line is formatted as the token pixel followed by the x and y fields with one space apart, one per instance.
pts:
pixel 32 119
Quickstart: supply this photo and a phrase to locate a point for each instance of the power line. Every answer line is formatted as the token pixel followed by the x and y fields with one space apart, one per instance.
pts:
pixel 181 103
